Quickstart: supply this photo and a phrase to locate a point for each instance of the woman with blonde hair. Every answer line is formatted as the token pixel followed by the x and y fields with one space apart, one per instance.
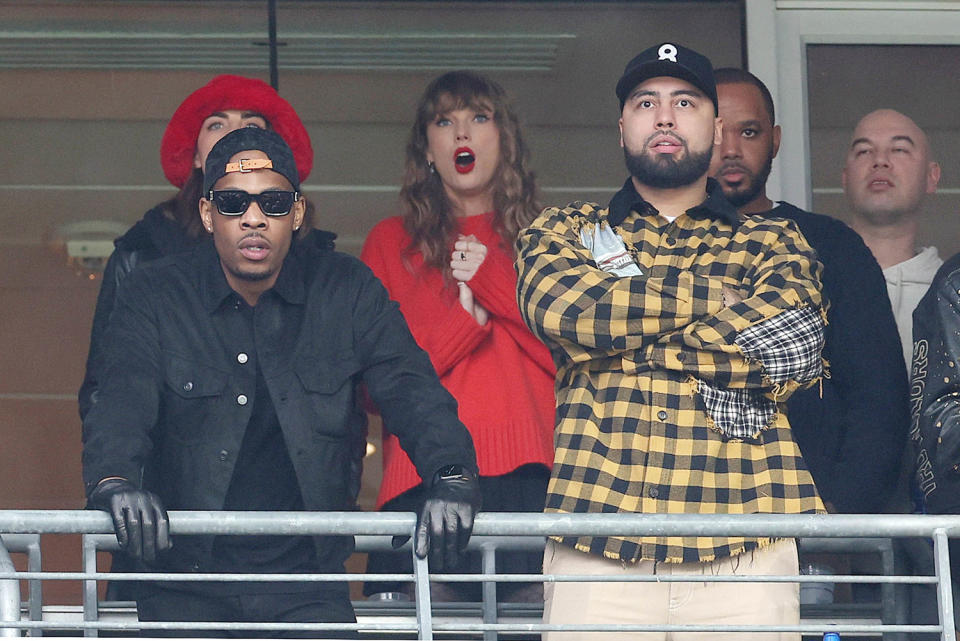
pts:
pixel 448 261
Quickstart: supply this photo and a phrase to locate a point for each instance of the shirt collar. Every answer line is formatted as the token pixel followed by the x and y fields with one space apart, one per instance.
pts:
pixel 715 206
pixel 214 288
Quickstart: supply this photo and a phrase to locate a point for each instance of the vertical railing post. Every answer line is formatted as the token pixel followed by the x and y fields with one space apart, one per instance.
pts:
pixel 91 605
pixel 421 585
pixel 9 595
pixel 30 544
pixel 489 589
pixel 888 596
pixel 35 600
pixel 941 561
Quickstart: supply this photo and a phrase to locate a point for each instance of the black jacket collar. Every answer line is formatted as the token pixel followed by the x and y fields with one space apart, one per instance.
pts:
pixel 715 206
pixel 157 232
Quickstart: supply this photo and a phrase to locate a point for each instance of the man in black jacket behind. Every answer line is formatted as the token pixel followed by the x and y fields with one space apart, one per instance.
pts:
pixel 935 396
pixel 852 429
pixel 935 409
pixel 230 385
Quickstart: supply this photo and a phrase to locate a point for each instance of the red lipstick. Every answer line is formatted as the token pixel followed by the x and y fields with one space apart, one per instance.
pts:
pixel 464 160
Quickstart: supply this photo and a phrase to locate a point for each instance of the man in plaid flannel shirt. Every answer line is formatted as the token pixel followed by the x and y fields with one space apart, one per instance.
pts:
pixel 679 330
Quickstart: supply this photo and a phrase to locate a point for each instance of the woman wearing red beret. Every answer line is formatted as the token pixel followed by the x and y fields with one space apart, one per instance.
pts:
pixel 448 261
pixel 209 113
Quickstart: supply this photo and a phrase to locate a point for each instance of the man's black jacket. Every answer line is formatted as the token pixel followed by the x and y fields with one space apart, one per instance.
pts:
pixel 852 429
pixel 935 396
pixel 154 236
pixel 935 390
pixel 174 400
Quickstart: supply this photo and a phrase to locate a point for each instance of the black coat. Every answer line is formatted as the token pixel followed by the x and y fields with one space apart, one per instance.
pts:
pixel 169 416
pixel 153 236
pixel 935 397
pixel 935 391
pixel 852 429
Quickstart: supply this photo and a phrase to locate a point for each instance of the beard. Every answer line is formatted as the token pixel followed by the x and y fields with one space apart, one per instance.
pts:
pixel 663 171
pixel 751 187
pixel 251 276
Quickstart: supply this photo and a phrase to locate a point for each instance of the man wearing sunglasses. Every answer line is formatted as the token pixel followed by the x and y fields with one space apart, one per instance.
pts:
pixel 230 385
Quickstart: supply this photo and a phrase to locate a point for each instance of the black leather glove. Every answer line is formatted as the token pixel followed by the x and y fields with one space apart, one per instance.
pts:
pixel 139 518
pixel 446 518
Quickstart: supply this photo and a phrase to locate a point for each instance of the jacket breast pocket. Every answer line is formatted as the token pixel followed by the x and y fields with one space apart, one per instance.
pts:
pixel 328 382
pixel 194 393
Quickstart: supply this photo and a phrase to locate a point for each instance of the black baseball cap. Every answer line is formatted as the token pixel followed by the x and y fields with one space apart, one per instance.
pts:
pixel 269 142
pixel 668 59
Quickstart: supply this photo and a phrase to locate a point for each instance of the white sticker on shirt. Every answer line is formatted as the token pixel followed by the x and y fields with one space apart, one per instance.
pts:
pixel 609 251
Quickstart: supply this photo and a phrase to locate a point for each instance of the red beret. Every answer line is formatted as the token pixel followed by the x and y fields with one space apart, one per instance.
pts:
pixel 179 145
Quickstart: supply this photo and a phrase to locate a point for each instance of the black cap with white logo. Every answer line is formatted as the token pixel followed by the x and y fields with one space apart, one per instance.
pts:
pixel 672 60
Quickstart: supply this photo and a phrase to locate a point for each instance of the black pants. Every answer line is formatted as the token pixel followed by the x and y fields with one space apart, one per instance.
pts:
pixel 162 604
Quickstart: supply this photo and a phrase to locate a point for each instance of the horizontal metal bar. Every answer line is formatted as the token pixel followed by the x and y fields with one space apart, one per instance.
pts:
pixel 726 525
pixel 202 576
pixel 469 578
pixel 204 625
pixel 466 626
pixel 214 522
pixel 501 523
pixel 653 627
pixel 378 543
pixel 674 578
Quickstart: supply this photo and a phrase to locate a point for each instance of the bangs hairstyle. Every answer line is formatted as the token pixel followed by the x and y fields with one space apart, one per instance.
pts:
pixel 425 208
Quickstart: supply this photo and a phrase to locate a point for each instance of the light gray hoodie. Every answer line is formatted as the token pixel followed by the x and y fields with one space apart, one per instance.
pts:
pixel 907 282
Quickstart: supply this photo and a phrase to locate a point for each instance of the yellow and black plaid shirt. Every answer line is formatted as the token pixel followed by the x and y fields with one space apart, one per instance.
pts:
pixel 636 353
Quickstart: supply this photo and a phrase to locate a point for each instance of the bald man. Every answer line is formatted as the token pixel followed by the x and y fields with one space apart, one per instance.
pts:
pixel 888 173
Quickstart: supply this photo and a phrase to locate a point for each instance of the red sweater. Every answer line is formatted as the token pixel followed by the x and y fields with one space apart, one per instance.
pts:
pixel 501 374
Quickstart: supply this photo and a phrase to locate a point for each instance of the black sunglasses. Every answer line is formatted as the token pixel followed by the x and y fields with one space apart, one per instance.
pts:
pixel 234 202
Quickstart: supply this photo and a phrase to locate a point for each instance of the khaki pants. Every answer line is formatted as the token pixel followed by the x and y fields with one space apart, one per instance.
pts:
pixel 673 603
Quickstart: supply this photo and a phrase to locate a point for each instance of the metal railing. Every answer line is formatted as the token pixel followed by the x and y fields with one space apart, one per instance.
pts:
pixel 486 546
pixel 508 528
pixel 28 544
pixel 9 593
